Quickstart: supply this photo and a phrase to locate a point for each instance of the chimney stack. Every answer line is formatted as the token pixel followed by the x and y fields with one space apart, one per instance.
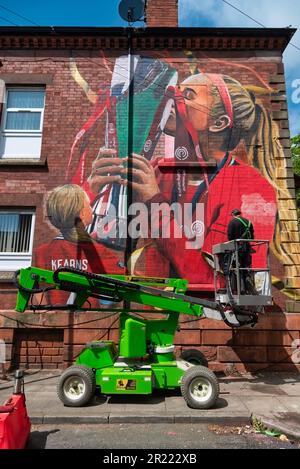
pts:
pixel 162 13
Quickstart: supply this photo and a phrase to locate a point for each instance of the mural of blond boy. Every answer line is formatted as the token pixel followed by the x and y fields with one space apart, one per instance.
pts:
pixel 69 211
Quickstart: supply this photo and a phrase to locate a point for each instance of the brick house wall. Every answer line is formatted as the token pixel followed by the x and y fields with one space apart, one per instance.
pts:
pixel 162 14
pixel 37 56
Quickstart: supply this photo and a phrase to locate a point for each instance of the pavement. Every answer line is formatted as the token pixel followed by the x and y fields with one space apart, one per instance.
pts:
pixel 161 436
pixel 273 398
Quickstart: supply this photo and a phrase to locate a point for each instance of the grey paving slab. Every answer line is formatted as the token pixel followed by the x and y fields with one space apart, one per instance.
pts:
pixel 136 404
pixel 31 378
pixel 4 394
pixel 176 404
pixel 145 409
pixel 56 409
pixel 225 388
pixel 40 387
pixel 291 389
pixel 265 404
pixel 41 402
pixel 225 404
pixel 253 389
pixel 113 408
pixel 291 404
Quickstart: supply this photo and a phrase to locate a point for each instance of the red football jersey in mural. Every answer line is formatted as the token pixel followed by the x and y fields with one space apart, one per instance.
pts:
pixel 86 256
pixel 236 185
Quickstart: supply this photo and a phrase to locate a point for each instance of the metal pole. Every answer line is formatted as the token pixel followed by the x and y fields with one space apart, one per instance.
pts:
pixel 129 241
pixel 19 382
pixel 130 129
pixel 238 269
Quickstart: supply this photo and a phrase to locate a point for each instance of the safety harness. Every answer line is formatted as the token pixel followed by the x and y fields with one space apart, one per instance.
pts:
pixel 247 224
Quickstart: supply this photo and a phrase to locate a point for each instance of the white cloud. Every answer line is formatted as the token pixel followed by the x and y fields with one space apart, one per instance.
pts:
pixel 271 13
pixel 191 8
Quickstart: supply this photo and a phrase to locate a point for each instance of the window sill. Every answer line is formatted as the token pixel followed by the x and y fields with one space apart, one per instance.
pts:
pixel 22 162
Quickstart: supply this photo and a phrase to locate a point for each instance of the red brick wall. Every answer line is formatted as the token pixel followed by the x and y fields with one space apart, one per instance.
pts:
pixel 162 13
pixel 270 346
pixel 37 348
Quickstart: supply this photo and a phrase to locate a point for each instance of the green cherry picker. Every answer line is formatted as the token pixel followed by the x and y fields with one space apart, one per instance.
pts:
pixel 144 359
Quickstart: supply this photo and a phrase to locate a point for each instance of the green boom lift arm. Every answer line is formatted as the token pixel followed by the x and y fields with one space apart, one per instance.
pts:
pixel 148 291
pixel 115 288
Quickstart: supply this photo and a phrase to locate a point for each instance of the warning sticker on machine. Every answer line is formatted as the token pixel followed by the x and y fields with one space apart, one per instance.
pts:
pixel 129 384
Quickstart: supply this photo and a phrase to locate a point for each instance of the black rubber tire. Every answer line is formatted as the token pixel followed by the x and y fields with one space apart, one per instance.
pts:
pixel 186 387
pixel 87 376
pixel 194 356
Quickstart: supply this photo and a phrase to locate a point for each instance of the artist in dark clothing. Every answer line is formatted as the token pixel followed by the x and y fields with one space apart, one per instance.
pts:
pixel 241 228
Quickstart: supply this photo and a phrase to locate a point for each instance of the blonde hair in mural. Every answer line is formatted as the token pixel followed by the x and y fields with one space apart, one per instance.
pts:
pixel 63 207
pixel 253 124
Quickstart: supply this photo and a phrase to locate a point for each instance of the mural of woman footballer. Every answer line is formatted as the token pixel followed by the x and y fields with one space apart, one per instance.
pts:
pixel 210 118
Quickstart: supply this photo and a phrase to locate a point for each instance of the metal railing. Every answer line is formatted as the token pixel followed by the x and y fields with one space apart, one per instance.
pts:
pixel 233 268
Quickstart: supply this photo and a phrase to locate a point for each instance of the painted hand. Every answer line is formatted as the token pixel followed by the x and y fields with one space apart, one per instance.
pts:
pixel 143 179
pixel 106 168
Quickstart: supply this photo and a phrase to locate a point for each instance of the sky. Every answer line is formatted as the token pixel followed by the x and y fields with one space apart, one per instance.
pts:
pixel 194 13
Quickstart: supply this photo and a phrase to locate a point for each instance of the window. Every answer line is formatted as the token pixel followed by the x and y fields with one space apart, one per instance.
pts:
pixel 16 238
pixel 22 123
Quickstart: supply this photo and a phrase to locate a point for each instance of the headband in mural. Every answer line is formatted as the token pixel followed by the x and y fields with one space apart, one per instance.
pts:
pixel 221 86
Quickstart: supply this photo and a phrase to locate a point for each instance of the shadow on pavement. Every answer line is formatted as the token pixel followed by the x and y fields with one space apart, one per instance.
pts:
pixel 135 399
pixel 38 440
pixel 98 399
pixel 220 404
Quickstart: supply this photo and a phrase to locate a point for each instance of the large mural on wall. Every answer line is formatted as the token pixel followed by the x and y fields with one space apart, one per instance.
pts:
pixel 178 150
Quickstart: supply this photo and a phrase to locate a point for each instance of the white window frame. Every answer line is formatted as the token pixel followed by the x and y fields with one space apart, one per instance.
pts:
pixel 11 261
pixel 22 133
